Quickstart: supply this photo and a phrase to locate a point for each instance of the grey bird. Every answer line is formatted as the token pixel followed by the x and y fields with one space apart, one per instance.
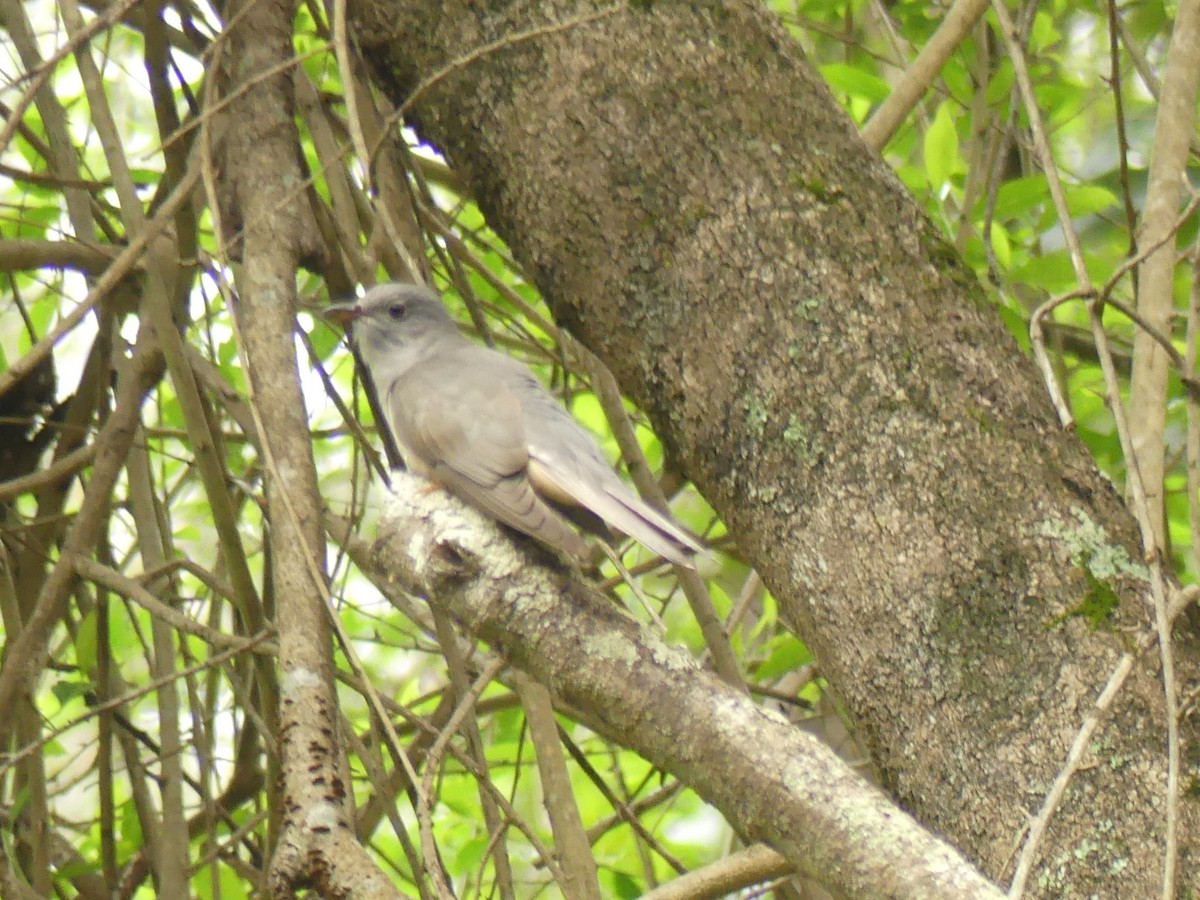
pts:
pixel 482 425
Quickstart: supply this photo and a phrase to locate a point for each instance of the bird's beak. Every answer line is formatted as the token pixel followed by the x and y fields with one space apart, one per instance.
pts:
pixel 342 313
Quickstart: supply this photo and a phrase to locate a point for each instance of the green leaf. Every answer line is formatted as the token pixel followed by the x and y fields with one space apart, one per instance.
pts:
pixel 325 339
pixel 35 221
pixel 958 79
pixel 625 886
pixel 470 854
pixel 914 179
pixel 1086 199
pixel 145 176
pixel 787 655
pixel 66 691
pixel 169 410
pixel 1000 245
pixel 232 885
pixel 941 148
pixel 1021 197
pixel 1017 325
pixel 1044 34
pixel 131 826
pixel 1052 272
pixel 721 600
pixel 999 86
pixel 855 82
pixel 85 643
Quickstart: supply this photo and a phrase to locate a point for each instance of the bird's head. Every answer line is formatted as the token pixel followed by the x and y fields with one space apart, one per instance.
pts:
pixel 393 317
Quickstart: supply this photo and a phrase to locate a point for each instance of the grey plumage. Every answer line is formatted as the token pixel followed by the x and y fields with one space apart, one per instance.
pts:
pixel 482 425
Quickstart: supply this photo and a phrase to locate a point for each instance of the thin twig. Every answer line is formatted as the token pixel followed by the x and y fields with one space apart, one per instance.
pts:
pixel 466 707
pixel 1041 143
pixel 113 275
pixel 56 471
pixel 456 664
pixel 341 51
pixel 956 25
pixel 571 840
pixel 38 78
pixel 1192 440
pixel 1104 296
pixel 1079 747
pixel 129 588
pixel 243 645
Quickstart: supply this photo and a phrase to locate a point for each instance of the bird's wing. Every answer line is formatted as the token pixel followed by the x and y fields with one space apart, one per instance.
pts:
pixel 566 465
pixel 458 415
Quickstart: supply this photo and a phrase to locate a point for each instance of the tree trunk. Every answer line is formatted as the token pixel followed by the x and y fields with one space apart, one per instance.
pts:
pixel 698 211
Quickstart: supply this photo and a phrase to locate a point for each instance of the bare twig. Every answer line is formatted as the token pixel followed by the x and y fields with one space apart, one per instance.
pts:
pixel 242 645
pixel 1156 302
pixel 121 267
pixel 1041 142
pixel 956 25
pixel 1079 746
pixel 465 708
pixel 38 77
pixel 456 663
pixel 1192 440
pixel 753 865
pixel 1104 295
pixel 575 852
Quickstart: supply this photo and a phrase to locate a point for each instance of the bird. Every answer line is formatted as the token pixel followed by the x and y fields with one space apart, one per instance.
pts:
pixel 481 424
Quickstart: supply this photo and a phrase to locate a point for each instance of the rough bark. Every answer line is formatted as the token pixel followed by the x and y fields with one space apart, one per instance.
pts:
pixel 699 212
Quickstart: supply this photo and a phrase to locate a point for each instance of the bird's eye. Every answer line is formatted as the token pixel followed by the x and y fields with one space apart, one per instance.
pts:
pixel 396 311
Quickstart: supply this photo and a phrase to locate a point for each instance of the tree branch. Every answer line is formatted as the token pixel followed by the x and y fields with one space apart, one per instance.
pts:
pixel 653 698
